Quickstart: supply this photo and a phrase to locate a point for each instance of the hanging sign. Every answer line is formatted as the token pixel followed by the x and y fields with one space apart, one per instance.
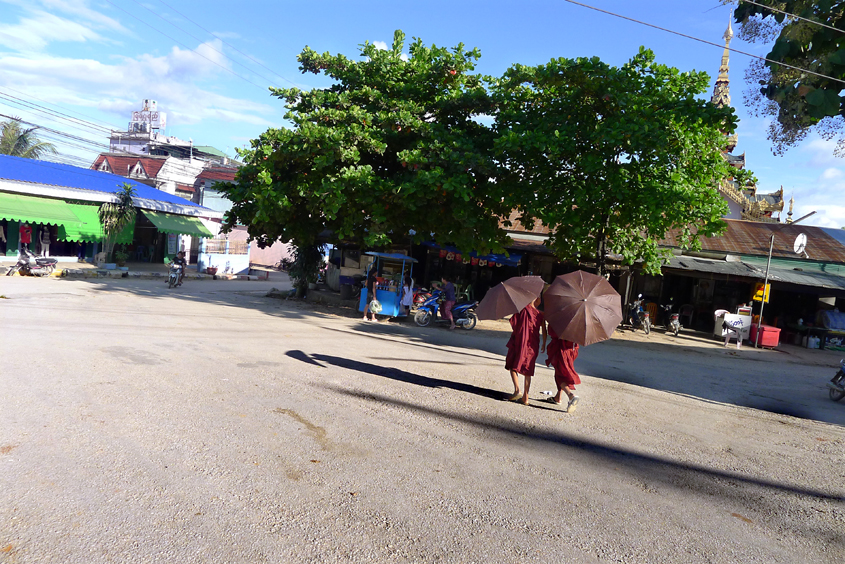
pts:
pixel 172 243
pixel 758 292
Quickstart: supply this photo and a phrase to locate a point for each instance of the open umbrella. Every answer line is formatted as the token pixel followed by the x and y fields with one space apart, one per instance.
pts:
pixel 582 308
pixel 510 297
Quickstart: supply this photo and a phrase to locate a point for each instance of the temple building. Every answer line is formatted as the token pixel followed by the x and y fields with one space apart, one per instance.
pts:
pixel 744 201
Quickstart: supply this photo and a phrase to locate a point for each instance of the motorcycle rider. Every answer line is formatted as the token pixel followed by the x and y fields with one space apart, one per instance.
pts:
pixel 180 260
pixel 449 300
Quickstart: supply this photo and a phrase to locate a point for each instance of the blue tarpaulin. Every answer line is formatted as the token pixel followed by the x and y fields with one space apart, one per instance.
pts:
pixel 511 259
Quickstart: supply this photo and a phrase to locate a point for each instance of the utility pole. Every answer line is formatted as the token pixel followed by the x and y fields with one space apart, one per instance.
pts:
pixel 766 282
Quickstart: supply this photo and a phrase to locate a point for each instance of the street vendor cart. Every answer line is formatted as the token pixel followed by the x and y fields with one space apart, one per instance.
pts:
pixel 392 269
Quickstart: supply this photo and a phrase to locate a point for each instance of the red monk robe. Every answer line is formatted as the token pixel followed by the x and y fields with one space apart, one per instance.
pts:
pixel 524 344
pixel 562 355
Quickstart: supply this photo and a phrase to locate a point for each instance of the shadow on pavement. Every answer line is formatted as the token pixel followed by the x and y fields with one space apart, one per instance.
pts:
pixel 762 494
pixel 393 374
pixel 691 365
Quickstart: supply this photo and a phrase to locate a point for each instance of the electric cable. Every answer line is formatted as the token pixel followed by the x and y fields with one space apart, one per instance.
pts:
pixel 704 41
pixel 264 88
pixel 104 125
pixel 797 17
pixel 259 63
pixel 204 43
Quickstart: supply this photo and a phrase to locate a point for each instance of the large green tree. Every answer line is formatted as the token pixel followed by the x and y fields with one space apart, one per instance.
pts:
pixel 612 158
pixel 394 145
pixel 799 101
pixel 19 141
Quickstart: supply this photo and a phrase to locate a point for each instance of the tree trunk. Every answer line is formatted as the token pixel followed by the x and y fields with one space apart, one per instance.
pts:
pixel 601 247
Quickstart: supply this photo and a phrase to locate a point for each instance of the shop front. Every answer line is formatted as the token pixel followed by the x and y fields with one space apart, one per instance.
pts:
pixel 158 235
pixel 472 274
pixel 38 224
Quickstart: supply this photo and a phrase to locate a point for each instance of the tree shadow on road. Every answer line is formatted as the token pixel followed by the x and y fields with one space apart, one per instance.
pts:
pixel 767 497
pixel 393 373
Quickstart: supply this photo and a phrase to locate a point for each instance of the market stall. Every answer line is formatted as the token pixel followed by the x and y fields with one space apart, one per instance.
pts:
pixel 392 269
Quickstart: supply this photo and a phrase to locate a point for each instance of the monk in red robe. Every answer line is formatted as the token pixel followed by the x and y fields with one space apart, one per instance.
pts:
pixel 524 347
pixel 562 354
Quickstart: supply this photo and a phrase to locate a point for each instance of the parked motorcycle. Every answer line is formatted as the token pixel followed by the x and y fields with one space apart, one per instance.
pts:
pixel 173 276
pixel 672 321
pixel 638 317
pixel 420 296
pixel 463 313
pixel 30 265
pixel 837 385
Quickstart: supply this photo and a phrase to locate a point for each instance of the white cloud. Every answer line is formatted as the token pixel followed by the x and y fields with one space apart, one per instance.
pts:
pixel 380 45
pixel 176 80
pixel 831 174
pixel 40 24
pixel 34 33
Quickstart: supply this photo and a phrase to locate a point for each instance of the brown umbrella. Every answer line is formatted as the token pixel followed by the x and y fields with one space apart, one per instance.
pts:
pixel 509 297
pixel 582 308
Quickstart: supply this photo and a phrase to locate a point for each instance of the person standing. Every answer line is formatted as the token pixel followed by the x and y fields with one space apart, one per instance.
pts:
pixel 372 282
pixel 408 294
pixel 25 232
pixel 45 241
pixel 448 301
pixel 561 354
pixel 524 347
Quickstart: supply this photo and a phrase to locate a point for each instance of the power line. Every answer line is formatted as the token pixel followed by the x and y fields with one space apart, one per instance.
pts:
pixel 705 41
pixel 108 126
pixel 264 88
pixel 227 43
pixel 52 113
pixel 201 41
pixel 793 16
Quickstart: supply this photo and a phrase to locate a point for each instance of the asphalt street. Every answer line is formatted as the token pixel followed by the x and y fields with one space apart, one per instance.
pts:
pixel 212 424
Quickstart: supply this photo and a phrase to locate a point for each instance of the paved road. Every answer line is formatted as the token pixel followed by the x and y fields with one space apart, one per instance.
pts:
pixel 211 424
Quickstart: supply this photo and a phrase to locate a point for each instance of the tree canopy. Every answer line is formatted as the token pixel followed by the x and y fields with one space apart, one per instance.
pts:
pixel 801 102
pixel 18 141
pixel 420 146
pixel 393 146
pixel 612 158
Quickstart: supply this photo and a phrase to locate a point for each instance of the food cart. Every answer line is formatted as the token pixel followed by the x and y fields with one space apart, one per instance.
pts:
pixel 393 267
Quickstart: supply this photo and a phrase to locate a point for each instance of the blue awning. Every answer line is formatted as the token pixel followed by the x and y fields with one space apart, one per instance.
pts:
pixel 391 256
pixel 511 259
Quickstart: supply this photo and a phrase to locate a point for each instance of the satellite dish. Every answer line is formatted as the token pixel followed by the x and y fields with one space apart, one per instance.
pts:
pixel 800 244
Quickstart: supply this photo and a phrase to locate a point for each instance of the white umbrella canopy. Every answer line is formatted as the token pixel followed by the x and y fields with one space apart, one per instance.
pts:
pixel 510 297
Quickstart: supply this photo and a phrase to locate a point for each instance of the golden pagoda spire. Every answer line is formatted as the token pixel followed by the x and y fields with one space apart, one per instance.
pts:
pixel 721 91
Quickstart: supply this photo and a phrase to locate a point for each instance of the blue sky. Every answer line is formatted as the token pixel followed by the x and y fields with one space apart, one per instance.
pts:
pixel 97 59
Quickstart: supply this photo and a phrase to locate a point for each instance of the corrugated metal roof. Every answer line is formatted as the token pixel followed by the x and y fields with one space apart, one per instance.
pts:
pixel 815 278
pixel 730 268
pixel 752 238
pixel 54 174
pixel 804 278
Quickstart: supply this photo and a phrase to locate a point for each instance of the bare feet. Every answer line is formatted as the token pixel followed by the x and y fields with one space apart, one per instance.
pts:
pixel 523 400
pixel 516 396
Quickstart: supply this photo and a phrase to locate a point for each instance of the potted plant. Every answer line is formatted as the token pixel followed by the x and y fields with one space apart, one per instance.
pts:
pixel 120 258
pixel 211 270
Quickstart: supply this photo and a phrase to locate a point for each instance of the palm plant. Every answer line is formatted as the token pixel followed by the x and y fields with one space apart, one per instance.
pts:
pixel 17 141
pixel 114 216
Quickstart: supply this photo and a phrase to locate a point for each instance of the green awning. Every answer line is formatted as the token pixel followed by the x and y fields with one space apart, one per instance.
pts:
pixel 182 224
pixel 92 230
pixel 32 209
